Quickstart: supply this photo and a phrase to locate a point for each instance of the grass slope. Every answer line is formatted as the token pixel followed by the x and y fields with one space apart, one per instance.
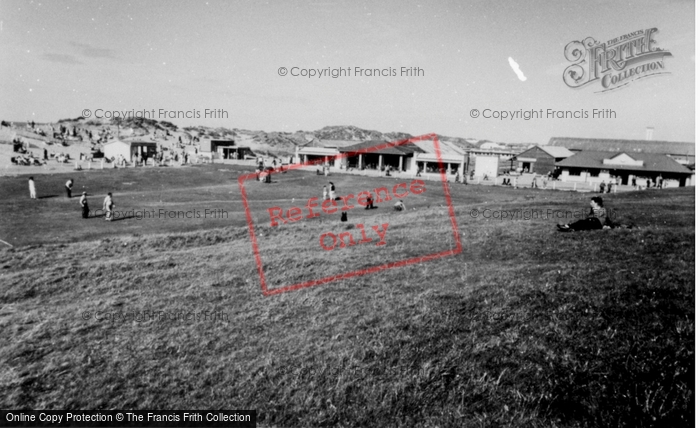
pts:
pixel 526 327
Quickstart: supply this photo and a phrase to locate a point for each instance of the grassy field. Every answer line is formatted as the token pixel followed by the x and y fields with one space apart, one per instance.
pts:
pixel 525 327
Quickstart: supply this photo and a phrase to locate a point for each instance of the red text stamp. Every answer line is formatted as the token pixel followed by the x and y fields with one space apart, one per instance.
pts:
pixel 266 217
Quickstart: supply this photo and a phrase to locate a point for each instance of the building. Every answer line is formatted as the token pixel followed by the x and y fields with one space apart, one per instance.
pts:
pixel 683 153
pixel 323 151
pixel 541 159
pixel 375 154
pixel 454 158
pixel 130 149
pixel 216 149
pixel 597 166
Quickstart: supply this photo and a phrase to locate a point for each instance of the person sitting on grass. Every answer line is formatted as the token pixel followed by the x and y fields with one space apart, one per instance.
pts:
pixel 597 218
pixel 399 206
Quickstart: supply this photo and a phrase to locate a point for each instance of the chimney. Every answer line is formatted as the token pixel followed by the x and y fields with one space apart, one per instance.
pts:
pixel 650 133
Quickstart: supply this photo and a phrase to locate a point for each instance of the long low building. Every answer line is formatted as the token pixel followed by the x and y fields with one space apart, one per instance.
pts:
pixel 379 154
pixel 597 166
pixel 413 157
pixel 683 153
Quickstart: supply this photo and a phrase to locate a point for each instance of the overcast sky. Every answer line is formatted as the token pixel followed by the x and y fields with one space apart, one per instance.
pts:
pixel 60 57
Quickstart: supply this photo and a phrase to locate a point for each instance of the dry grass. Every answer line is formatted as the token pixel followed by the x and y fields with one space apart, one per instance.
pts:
pixel 526 327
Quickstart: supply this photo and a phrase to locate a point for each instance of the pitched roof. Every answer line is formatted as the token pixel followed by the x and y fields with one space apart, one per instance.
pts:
pixel 651 162
pixel 382 147
pixel 557 152
pixel 446 148
pixel 629 146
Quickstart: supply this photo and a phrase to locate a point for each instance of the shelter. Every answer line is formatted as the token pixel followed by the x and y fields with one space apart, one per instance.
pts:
pixel 683 153
pixel 597 166
pixel 324 151
pixel 454 159
pixel 376 154
pixel 216 148
pixel 130 149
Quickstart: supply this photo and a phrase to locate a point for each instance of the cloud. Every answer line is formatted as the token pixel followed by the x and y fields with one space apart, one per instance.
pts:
pixel 514 65
pixel 61 58
pixel 94 52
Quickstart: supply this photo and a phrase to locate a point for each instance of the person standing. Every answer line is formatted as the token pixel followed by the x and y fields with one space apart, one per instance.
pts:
pixel 32 188
pixel 69 188
pixel 108 207
pixel 325 193
pixel 84 205
pixel 602 186
pixel 332 191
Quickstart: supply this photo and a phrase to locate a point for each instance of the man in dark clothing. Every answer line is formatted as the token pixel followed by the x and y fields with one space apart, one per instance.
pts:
pixel 84 205
pixel 596 218
pixel 370 203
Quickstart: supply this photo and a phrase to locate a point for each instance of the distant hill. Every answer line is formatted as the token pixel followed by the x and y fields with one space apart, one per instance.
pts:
pixel 170 135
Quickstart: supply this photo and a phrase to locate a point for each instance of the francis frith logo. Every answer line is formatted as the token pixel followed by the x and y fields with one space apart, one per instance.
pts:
pixel 615 63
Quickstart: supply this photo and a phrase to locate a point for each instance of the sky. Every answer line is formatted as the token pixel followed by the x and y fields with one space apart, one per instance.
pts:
pixel 59 58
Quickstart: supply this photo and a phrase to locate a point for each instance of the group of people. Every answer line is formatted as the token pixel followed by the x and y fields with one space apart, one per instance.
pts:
pixel 329 191
pixel 606 188
pixel 107 205
pixel 329 194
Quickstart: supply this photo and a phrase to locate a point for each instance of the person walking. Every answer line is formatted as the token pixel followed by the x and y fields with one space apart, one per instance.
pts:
pixel 69 188
pixel 84 205
pixel 108 207
pixel 32 188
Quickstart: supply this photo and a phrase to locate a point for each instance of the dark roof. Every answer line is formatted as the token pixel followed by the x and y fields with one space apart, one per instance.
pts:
pixel 382 147
pixel 549 151
pixel 627 146
pixel 652 162
pixel 148 143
